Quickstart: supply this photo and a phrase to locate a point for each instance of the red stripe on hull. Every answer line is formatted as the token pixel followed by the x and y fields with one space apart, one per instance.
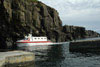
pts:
pixel 36 42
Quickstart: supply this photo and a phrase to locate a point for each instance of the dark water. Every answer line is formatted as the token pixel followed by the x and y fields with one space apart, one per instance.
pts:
pixel 60 56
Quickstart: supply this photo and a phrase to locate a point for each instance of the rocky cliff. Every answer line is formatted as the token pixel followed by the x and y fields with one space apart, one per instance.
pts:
pixel 91 33
pixel 74 32
pixel 17 17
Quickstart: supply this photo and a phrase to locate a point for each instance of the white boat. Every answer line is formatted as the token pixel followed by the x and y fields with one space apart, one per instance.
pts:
pixel 33 41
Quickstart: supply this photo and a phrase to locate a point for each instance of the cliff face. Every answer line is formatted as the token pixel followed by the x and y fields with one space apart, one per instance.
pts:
pixel 74 32
pixel 17 17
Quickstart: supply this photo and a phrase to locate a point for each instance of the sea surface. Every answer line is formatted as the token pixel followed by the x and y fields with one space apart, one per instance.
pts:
pixel 60 56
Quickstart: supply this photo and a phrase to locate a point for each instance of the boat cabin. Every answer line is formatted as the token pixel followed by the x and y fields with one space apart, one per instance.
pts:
pixel 30 38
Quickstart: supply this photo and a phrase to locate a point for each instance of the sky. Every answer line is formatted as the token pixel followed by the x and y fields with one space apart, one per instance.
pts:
pixel 84 13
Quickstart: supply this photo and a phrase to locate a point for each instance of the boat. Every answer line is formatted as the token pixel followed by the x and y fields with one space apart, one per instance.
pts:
pixel 33 41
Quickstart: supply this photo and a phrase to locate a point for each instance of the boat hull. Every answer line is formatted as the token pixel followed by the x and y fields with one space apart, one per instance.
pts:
pixel 32 44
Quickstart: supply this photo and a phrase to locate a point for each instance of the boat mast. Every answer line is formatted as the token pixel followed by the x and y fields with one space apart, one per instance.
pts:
pixel 30 35
pixel 30 31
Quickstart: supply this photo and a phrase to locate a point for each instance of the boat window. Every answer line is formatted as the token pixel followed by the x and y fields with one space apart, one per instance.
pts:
pixel 38 38
pixel 26 39
pixel 34 38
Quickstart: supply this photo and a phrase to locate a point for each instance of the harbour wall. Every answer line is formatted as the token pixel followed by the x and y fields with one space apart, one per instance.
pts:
pixel 16 59
pixel 85 46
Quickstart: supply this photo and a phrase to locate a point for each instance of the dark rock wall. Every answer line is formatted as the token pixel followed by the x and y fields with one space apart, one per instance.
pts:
pixel 74 32
pixel 17 17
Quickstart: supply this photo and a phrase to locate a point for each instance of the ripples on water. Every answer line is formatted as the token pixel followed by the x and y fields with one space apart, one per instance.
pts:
pixel 60 56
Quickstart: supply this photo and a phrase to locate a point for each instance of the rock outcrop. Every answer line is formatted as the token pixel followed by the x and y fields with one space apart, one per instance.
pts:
pixel 90 33
pixel 74 32
pixel 17 17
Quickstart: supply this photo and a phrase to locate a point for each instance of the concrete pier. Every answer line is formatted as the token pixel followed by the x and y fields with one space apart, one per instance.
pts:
pixel 16 58
pixel 85 46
